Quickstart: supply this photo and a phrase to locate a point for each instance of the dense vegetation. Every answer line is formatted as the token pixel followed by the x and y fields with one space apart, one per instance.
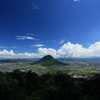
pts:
pixel 48 61
pixel 19 85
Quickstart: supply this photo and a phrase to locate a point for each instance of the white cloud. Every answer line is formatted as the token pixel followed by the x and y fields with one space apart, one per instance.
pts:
pixel 76 50
pixel 3 47
pixel 46 51
pixel 30 34
pixel 66 50
pixel 62 41
pixel 77 0
pixel 26 55
pixel 14 47
pixel 34 6
pixel 8 47
pixel 11 54
pixel 38 45
pixel 6 53
pixel 70 50
pixel 25 38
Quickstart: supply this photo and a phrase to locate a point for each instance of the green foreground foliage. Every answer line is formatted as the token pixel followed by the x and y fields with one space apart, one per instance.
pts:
pixel 19 85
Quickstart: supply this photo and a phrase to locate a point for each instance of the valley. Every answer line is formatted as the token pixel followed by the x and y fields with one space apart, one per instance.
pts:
pixel 73 67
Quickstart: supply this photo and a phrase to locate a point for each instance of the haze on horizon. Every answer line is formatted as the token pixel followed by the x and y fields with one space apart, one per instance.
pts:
pixel 35 28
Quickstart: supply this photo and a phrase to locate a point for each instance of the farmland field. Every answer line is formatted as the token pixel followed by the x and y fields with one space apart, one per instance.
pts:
pixel 79 67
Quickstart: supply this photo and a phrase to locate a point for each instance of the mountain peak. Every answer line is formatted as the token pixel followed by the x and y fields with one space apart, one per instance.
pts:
pixel 47 57
pixel 48 60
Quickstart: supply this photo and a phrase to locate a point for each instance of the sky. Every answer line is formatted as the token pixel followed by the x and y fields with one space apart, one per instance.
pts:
pixel 61 28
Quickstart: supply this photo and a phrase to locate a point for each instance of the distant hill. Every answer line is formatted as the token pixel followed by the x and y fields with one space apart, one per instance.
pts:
pixel 13 60
pixel 49 61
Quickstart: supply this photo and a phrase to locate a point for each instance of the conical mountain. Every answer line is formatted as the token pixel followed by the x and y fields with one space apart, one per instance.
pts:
pixel 48 61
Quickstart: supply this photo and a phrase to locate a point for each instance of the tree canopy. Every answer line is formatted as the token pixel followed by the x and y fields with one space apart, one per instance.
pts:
pixel 19 85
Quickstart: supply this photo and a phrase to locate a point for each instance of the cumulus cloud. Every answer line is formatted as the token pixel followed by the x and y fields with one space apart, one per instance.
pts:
pixel 67 50
pixel 76 50
pixel 38 45
pixel 26 55
pixel 70 50
pixel 11 54
pixel 62 41
pixel 25 38
pixel 41 52
pixel 46 51
pixel 6 53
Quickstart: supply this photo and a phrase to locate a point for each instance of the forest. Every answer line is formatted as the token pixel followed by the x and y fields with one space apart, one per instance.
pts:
pixel 18 85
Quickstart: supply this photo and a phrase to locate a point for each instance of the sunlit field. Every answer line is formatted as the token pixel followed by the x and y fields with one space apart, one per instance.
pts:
pixel 74 67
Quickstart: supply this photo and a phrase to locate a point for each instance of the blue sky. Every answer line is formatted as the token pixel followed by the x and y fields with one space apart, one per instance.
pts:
pixel 62 28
